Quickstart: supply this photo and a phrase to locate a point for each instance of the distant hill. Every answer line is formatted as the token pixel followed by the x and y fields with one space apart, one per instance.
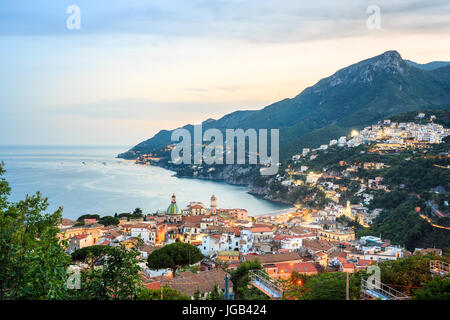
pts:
pixel 429 66
pixel 353 97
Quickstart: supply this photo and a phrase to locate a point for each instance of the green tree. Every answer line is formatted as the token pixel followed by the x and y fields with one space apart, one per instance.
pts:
pixel 408 274
pixel 173 256
pixel 168 294
pixel 329 286
pixel 109 221
pixel 91 255
pixel 33 263
pixel 215 294
pixel 436 289
pixel 137 213
pixel 197 294
pixel 88 216
pixel 241 284
pixel 118 277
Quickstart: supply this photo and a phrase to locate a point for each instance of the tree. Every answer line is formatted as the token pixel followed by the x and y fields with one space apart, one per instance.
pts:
pixel 168 294
pixel 91 255
pixel 408 274
pixel 215 294
pixel 32 260
pixel 108 221
pixel 88 216
pixel 436 289
pixel 117 278
pixel 328 286
pixel 173 256
pixel 197 294
pixel 240 281
pixel 137 213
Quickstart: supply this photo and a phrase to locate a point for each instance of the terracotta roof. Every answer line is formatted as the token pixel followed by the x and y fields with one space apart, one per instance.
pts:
pixel 197 206
pixel 261 229
pixel 275 258
pixel 220 229
pixel 302 267
pixel 348 265
pixel 341 260
pixel 147 248
pixel 187 282
pixel 67 222
pixel 364 262
pixel 114 233
pixel 153 285
pixel 336 254
pixel 317 245
pixel 280 237
pixel 193 219
pixel 142 226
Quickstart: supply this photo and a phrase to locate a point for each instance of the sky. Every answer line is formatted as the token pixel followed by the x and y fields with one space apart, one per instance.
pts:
pixel 135 67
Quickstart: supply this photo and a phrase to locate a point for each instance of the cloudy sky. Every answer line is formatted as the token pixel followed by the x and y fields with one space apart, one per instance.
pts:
pixel 135 67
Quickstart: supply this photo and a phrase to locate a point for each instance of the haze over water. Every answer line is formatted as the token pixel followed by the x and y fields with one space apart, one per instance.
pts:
pixel 118 186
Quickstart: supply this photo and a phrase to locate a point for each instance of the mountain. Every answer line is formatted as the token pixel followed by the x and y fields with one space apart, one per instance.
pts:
pixel 429 66
pixel 353 97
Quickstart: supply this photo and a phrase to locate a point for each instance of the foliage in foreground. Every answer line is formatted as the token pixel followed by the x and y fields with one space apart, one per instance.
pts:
pixel 174 256
pixel 32 262
pixel 240 281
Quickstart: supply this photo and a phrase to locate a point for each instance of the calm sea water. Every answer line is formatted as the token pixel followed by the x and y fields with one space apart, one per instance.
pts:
pixel 105 185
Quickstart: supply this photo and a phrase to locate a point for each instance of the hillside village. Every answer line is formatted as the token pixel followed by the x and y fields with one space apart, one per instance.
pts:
pixel 308 239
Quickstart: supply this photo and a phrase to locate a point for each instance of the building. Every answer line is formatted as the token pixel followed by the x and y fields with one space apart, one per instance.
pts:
pixel 283 271
pixel 173 208
pixel 66 223
pixel 269 259
pixel 80 241
pixel 196 209
pixel 337 235
pixel 213 204
pixel 144 231
pixel 228 256
pixel 288 242
pixel 93 230
pixel 187 283
pixel 261 233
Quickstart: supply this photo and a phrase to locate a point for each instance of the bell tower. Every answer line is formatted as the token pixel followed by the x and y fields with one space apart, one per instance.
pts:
pixel 213 204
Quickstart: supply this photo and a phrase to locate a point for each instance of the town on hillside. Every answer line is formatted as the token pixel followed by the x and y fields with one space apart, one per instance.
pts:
pixel 315 237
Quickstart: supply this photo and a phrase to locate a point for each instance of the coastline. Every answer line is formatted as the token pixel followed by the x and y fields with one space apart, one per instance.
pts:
pixel 288 206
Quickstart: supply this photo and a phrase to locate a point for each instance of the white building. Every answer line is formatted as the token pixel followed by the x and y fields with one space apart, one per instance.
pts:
pixel 291 243
pixel 241 241
pixel 145 232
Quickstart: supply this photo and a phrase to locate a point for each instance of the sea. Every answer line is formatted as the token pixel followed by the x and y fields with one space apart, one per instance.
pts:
pixel 91 180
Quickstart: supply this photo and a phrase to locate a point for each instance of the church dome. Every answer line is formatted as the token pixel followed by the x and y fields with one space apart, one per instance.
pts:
pixel 173 207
